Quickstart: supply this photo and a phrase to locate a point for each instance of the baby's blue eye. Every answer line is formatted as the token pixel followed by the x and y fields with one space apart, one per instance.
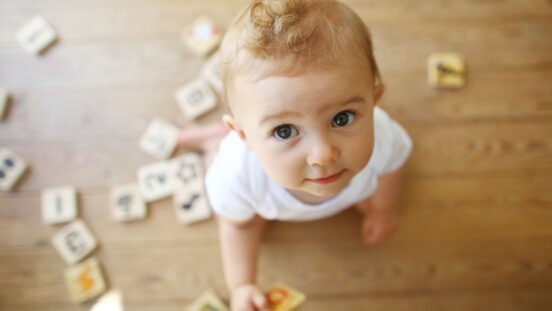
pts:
pixel 285 131
pixel 343 118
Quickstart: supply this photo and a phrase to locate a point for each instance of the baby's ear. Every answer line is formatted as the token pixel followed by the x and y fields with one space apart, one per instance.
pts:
pixel 379 89
pixel 230 122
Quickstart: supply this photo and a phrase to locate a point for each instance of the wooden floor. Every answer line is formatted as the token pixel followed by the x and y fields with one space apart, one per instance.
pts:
pixel 476 214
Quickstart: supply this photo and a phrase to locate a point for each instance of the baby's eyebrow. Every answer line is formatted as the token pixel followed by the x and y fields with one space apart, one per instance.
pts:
pixel 284 114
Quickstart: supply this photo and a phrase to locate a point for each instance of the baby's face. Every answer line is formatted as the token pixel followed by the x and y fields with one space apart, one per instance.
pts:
pixel 312 132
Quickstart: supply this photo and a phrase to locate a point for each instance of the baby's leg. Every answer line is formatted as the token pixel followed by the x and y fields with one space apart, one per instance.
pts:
pixel 206 138
pixel 377 225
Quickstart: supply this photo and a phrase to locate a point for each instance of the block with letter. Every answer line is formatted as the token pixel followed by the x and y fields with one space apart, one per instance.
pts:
pixel 74 242
pixel 4 99
pixel 195 99
pixel 85 281
pixel 203 36
pixel 12 167
pixel 155 181
pixel 284 298
pixel 209 301
pixel 159 140
pixel 127 203
pixel 110 301
pixel 210 72
pixel 36 35
pixel 446 70
pixel 59 205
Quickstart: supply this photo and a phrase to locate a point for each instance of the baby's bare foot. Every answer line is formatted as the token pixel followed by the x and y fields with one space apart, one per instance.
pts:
pixel 377 226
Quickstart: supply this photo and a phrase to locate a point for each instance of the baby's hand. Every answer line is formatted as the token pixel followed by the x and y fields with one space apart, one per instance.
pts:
pixel 378 225
pixel 248 297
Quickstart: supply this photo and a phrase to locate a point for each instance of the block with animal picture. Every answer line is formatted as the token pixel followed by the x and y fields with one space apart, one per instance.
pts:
pixel 159 139
pixel 4 101
pixel 127 203
pixel 59 204
pixel 284 298
pixel 195 99
pixel 85 281
pixel 155 181
pixel 208 301
pixel 36 35
pixel 446 70
pixel 191 204
pixel 12 168
pixel 74 242
pixel 202 36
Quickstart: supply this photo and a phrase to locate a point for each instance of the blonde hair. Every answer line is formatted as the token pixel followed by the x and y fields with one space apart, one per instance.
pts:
pixel 295 34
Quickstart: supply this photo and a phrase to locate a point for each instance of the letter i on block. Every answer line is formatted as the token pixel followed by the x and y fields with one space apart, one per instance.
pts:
pixel 85 281
pixel 12 168
pixel 127 203
pixel 36 35
pixel 59 205
pixel 159 140
pixel 74 242
pixel 195 99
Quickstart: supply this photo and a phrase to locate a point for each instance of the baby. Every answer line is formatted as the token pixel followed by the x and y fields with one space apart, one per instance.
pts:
pixel 307 140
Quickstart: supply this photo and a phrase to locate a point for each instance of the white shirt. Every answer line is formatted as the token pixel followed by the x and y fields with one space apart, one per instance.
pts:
pixel 238 188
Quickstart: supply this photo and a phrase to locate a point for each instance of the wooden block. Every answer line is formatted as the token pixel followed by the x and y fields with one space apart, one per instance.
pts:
pixel 110 301
pixel 159 140
pixel 59 204
pixel 191 204
pixel 155 181
pixel 203 36
pixel 36 35
pixel 446 70
pixel 209 301
pixel 74 242
pixel 284 298
pixel 127 203
pixel 210 72
pixel 187 169
pixel 12 168
pixel 4 99
pixel 195 99
pixel 85 281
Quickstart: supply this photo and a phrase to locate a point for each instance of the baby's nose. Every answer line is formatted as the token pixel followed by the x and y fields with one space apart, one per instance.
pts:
pixel 322 153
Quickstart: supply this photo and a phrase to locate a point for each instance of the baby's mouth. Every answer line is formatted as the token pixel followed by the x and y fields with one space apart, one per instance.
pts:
pixel 327 179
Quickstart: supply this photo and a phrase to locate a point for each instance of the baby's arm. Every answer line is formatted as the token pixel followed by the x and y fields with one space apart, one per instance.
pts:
pixel 240 247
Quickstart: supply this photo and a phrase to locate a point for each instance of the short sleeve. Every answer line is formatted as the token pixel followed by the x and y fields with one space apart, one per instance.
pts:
pixel 393 145
pixel 227 190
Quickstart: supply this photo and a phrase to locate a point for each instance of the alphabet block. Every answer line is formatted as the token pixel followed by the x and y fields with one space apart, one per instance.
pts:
pixel 59 204
pixel 195 99
pixel 74 242
pixel 127 203
pixel 446 70
pixel 155 181
pixel 202 36
pixel 159 140
pixel 36 35
pixel 12 168
pixel 85 281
